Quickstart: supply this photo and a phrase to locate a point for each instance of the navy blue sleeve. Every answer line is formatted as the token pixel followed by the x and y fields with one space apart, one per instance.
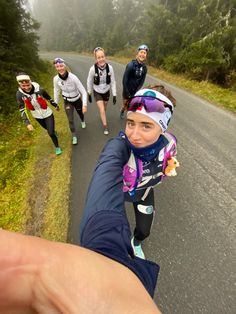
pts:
pixel 105 228
pixel 105 191
pixel 143 78
pixel 125 81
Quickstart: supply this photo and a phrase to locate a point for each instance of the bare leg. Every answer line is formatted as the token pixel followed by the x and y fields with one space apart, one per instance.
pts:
pixel 102 106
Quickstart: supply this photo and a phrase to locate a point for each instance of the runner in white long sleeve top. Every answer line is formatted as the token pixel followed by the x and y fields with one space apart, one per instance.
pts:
pixel 101 80
pixel 72 91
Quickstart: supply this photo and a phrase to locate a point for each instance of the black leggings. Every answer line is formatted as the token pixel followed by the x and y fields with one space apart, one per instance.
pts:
pixel 69 109
pixel 49 125
pixel 144 220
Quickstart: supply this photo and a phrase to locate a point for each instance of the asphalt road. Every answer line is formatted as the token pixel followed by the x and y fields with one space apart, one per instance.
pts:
pixel 193 236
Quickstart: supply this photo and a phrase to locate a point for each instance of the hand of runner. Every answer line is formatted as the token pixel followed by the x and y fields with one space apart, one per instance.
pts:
pixel 30 127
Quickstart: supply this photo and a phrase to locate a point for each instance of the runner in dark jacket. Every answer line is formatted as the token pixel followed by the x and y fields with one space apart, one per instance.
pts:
pixel 134 76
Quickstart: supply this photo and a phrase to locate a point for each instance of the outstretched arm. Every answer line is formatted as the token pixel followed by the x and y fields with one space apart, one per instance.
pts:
pixel 105 190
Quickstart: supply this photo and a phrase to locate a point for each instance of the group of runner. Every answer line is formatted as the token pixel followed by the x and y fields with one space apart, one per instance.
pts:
pixel 100 82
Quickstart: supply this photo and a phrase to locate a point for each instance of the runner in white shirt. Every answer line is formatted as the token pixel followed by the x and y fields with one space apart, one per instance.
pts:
pixel 72 90
pixel 100 81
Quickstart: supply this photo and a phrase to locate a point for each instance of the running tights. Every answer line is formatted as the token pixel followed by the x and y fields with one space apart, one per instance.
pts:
pixel 69 109
pixel 49 125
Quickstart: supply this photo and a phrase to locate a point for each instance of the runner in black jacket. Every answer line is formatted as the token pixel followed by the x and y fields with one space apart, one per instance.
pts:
pixel 134 76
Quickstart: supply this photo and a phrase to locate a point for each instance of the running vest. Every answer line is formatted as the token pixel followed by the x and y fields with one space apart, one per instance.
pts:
pixel 27 98
pixel 41 101
pixel 96 79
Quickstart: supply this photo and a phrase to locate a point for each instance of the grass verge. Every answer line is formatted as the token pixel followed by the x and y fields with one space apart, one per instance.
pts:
pixel 16 166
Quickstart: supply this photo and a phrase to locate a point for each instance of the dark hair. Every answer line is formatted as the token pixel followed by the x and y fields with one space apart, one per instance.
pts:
pixel 21 73
pixel 161 89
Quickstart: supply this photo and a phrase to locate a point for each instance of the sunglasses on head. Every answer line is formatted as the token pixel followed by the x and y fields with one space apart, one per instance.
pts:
pixel 97 48
pixel 143 47
pixel 150 104
pixel 58 60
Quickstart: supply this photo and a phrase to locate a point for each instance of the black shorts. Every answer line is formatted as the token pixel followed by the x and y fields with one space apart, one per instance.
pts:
pixel 104 97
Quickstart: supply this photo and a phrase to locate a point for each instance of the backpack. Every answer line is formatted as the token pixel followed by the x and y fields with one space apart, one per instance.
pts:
pixel 96 79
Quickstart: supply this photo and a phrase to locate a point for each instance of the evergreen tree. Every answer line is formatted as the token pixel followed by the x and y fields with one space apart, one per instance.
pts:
pixel 18 48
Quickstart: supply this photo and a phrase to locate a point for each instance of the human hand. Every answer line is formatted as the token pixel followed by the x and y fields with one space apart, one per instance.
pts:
pixel 90 98
pixel 53 103
pixel 41 276
pixel 84 109
pixel 114 100
pixel 30 127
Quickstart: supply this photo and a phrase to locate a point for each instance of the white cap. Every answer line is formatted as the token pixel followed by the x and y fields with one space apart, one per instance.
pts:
pixel 162 119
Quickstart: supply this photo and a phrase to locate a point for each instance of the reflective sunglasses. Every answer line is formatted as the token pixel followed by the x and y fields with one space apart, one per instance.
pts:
pixel 143 47
pixel 150 104
pixel 58 60
pixel 97 48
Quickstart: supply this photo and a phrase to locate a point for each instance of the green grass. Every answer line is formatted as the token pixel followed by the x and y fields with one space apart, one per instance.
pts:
pixel 17 160
pixel 56 217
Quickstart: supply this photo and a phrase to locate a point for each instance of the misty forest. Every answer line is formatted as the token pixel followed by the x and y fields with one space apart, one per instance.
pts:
pixel 192 37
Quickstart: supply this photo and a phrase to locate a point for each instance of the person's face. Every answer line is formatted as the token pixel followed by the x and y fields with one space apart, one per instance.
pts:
pixel 141 130
pixel 100 58
pixel 141 55
pixel 26 86
pixel 61 68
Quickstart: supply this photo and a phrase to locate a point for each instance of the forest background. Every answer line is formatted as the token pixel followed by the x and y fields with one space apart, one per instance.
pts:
pixel 189 40
pixel 196 38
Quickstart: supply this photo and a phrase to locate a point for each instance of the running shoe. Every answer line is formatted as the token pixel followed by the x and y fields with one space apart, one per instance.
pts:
pixel 122 114
pixel 106 132
pixel 74 140
pixel 137 249
pixel 83 124
pixel 58 151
